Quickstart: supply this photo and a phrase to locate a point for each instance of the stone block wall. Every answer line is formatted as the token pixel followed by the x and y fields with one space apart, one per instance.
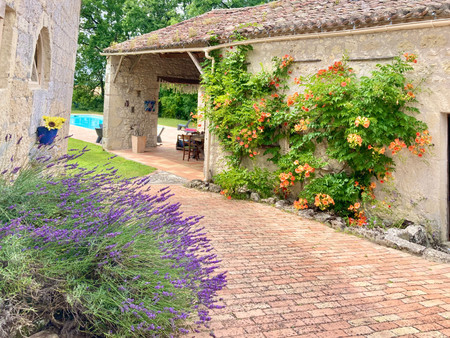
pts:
pixel 419 190
pixel 22 101
pixel 126 93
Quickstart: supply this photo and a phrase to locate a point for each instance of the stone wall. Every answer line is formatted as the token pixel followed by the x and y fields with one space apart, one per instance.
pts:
pixel 24 101
pixel 420 188
pixel 126 93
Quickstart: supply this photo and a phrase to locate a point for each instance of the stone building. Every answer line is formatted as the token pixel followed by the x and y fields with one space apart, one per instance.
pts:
pixel 315 34
pixel 38 43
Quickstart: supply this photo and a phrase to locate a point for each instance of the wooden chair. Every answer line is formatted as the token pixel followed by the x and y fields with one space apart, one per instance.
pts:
pixel 189 147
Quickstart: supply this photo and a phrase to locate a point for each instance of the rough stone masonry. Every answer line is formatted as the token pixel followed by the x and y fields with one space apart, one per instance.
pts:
pixel 38 43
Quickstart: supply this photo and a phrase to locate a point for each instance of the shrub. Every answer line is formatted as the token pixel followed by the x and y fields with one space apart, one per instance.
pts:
pixel 340 187
pixel 259 180
pixel 90 251
pixel 358 118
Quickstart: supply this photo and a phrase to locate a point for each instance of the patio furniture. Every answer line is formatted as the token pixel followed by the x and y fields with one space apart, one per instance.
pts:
pixel 199 139
pixel 158 137
pixel 99 132
pixel 190 147
pixel 179 144
pixel 184 126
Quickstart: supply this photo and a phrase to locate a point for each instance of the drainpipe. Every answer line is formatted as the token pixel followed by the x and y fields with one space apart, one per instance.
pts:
pixel 206 169
pixel 346 32
pixel 209 57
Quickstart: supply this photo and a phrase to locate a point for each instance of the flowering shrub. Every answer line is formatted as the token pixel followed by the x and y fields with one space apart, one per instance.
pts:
pixel 355 119
pixel 359 116
pixel 359 218
pixel 323 201
pixel 342 189
pixel 101 252
pixel 245 110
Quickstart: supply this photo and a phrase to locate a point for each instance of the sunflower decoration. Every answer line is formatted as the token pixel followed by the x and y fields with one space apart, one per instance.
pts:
pixel 53 122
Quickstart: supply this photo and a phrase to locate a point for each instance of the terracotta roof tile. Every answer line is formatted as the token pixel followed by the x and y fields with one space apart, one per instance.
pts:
pixel 285 17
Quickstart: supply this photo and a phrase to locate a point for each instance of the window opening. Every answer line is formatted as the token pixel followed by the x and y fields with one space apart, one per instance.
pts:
pixel 36 72
pixel 40 68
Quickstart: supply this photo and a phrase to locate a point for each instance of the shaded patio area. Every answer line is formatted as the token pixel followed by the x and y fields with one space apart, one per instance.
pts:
pixel 167 158
pixel 163 157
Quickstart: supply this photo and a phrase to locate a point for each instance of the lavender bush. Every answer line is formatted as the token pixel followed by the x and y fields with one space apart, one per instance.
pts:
pixel 86 251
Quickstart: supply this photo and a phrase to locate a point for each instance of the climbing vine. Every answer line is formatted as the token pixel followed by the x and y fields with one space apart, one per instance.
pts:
pixel 343 131
pixel 245 109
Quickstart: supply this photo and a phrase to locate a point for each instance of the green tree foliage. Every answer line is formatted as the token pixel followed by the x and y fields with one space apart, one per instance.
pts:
pixel 101 23
pixel 197 7
pixel 176 105
pixel 104 22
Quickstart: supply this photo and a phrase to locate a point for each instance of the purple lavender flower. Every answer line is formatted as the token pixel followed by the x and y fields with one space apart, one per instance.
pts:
pixel 108 223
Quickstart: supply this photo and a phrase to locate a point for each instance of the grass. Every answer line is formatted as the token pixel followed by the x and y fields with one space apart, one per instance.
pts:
pixel 162 121
pixel 96 156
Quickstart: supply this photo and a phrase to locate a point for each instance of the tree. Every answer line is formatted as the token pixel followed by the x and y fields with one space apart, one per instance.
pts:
pixel 103 22
pixel 100 24
pixel 197 7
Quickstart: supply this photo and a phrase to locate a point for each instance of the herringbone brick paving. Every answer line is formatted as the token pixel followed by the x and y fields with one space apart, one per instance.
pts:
pixel 289 276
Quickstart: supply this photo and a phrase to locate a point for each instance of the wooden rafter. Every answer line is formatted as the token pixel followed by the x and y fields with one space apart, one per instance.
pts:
pixel 196 63
pixel 136 61
pixel 375 58
pixel 199 55
pixel 180 80
pixel 118 68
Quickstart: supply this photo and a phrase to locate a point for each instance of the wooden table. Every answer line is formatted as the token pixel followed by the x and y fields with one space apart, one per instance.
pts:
pixel 200 140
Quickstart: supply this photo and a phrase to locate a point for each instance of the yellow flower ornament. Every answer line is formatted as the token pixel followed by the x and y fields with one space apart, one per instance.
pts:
pixel 53 122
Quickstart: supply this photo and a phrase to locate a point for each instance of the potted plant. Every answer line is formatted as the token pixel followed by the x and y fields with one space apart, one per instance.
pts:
pixel 46 134
pixel 138 140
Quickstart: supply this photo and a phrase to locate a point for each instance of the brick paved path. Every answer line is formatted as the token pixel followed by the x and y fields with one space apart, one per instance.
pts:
pixel 293 277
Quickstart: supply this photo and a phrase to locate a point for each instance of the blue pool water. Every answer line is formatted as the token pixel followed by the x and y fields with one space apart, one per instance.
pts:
pixel 86 121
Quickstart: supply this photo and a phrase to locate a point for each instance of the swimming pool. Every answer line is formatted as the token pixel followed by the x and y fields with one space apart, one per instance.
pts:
pixel 86 120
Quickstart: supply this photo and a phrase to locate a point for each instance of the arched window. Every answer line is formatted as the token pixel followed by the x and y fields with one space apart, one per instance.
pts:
pixel 40 71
